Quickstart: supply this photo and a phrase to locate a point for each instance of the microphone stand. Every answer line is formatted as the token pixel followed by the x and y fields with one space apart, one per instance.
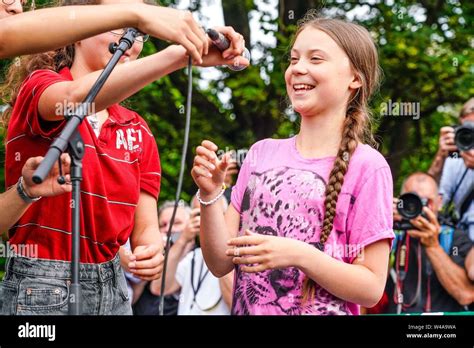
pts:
pixel 71 140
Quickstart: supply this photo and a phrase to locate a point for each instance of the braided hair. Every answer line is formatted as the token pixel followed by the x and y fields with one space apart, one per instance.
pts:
pixel 362 53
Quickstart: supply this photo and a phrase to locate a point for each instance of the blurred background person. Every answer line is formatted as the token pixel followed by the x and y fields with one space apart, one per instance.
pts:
pixel 182 241
pixel 231 174
pixel 201 292
pixel 428 274
pixel 454 170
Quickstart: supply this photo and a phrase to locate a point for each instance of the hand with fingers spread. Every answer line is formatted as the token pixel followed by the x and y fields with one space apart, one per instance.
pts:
pixel 257 253
pixel 50 186
pixel 146 262
pixel 428 229
pixel 208 171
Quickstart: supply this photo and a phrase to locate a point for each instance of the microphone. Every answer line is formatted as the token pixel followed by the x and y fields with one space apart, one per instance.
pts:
pixel 222 43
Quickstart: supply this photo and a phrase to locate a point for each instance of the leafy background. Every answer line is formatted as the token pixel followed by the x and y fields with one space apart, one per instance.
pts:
pixel 426 53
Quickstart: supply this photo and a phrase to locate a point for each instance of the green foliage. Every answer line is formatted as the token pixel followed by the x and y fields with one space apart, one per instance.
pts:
pixel 425 51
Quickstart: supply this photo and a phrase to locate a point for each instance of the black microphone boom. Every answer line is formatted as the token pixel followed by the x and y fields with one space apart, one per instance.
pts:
pixel 71 140
pixel 60 144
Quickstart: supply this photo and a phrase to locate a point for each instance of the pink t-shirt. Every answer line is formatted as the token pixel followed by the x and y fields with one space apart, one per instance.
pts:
pixel 280 193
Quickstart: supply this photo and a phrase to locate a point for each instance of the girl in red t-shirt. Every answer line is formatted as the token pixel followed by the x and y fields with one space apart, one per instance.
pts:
pixel 121 174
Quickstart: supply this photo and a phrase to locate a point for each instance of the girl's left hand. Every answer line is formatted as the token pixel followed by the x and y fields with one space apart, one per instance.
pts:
pixel 231 56
pixel 257 252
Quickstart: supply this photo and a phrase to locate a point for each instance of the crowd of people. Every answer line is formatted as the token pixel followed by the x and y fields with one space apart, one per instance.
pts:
pixel 306 228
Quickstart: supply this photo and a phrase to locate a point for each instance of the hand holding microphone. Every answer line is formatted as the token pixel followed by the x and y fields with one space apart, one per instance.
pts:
pixel 226 47
pixel 222 43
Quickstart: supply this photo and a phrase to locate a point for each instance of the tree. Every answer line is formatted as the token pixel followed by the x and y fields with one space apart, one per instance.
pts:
pixel 425 50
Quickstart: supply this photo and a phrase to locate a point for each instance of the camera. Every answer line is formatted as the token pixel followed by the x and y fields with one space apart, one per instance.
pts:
pixel 409 206
pixel 464 136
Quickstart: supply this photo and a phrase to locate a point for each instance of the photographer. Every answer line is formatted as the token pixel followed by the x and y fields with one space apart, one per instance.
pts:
pixel 428 274
pixel 201 292
pixel 456 169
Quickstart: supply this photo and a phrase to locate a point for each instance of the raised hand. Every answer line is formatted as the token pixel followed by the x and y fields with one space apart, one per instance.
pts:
pixel 208 171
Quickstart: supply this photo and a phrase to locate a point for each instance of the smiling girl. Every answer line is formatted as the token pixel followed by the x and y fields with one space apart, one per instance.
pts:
pixel 121 176
pixel 310 225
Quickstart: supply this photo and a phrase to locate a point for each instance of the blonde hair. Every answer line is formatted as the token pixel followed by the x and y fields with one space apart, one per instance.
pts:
pixel 358 45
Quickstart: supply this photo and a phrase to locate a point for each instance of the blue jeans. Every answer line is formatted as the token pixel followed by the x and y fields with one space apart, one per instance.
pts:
pixel 41 287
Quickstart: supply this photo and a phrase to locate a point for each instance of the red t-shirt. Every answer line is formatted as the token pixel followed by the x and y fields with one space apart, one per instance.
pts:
pixel 117 164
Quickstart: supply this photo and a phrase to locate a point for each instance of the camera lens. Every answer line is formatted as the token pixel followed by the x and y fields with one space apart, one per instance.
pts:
pixel 464 136
pixel 410 205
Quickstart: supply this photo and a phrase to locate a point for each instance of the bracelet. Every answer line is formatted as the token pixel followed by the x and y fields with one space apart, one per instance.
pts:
pixel 22 193
pixel 198 196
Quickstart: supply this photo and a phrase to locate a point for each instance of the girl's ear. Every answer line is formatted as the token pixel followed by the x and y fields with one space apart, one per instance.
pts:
pixel 356 82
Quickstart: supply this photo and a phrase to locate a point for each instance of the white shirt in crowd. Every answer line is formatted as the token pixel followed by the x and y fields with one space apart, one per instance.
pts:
pixel 206 297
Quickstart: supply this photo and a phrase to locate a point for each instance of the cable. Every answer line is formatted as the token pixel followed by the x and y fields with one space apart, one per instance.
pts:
pixel 180 181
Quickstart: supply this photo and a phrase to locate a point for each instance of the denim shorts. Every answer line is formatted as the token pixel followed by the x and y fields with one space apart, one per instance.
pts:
pixel 41 287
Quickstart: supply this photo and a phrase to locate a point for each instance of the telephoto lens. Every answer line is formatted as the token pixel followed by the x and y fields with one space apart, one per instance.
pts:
pixel 410 205
pixel 464 136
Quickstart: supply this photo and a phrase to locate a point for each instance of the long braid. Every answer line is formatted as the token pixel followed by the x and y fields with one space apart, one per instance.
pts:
pixel 333 188
pixel 362 53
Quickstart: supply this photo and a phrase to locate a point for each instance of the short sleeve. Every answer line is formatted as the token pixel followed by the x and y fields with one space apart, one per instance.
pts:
pixel 243 178
pixel 26 104
pixel 371 217
pixel 446 182
pixel 150 168
pixel 461 247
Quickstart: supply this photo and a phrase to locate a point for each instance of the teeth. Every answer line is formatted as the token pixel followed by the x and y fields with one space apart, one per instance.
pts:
pixel 302 86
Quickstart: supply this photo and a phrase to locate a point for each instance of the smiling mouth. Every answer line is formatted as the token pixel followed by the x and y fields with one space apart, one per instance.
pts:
pixel 302 87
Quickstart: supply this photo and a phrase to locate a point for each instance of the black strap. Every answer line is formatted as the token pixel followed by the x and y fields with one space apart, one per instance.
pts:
pixel 457 187
pixel 200 278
